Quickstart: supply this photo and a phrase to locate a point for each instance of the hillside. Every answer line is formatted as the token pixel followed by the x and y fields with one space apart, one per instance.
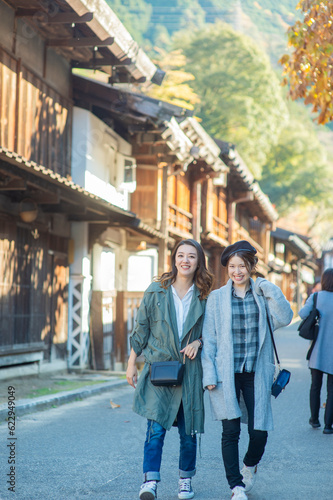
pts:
pixel 155 21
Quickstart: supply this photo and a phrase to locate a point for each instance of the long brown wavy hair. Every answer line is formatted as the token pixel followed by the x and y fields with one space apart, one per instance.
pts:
pixel 203 278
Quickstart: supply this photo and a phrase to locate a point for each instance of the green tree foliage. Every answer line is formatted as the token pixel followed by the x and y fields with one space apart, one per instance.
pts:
pixel 134 14
pixel 296 172
pixel 266 21
pixel 241 100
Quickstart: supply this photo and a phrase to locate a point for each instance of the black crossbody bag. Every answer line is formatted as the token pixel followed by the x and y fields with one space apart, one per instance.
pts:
pixel 168 373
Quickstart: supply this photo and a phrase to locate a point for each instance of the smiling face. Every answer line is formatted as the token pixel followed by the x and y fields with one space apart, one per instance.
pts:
pixel 186 261
pixel 237 271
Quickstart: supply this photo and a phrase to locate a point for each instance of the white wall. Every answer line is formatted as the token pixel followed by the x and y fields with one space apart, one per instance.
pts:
pixel 104 265
pixel 141 268
pixel 94 157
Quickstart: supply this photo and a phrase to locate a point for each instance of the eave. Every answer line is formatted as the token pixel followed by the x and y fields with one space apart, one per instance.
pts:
pixel 88 33
pixel 53 193
pixel 240 179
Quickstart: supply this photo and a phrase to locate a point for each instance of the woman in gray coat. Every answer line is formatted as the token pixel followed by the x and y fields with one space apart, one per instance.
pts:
pixel 321 359
pixel 238 360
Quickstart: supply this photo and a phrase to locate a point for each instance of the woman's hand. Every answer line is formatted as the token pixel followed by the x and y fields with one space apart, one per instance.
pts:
pixel 211 387
pixel 191 350
pixel 132 371
pixel 132 375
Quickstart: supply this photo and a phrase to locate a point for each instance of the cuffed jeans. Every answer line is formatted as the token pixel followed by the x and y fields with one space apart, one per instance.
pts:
pixel 316 383
pixel 153 450
pixel 231 431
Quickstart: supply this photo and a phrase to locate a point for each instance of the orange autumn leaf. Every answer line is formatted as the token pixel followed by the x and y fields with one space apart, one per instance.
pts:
pixel 309 70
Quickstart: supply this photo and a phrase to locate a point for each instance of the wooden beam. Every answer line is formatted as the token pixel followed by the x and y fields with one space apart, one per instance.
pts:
pixel 80 42
pixel 70 18
pixel 20 12
pixel 13 185
pixel 49 198
pixel 60 209
pixel 101 61
pixel 60 18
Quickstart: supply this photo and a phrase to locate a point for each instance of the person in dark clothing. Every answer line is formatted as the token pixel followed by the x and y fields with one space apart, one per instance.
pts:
pixel 321 359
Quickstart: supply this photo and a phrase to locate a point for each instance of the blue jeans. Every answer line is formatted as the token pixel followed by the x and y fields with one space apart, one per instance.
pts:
pixel 153 450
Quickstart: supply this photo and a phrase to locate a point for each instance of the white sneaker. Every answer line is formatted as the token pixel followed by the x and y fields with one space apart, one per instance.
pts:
pixel 185 489
pixel 249 476
pixel 148 490
pixel 238 493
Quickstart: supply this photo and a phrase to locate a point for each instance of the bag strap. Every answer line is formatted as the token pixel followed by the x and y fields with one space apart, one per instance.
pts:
pixel 315 295
pixel 271 332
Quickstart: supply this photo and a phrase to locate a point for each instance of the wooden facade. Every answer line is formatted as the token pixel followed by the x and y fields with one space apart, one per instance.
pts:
pixel 33 293
pixel 293 265
pixel 41 303
pixel 35 123
pixel 35 119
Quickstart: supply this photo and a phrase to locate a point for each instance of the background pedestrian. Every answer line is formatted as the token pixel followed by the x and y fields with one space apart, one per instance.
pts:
pixel 321 359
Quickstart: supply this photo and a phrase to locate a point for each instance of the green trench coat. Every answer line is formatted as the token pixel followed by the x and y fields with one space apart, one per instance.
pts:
pixel 155 335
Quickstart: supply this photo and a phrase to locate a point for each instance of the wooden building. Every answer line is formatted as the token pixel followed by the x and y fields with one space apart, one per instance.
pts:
pixel 45 285
pixel 236 209
pixel 293 261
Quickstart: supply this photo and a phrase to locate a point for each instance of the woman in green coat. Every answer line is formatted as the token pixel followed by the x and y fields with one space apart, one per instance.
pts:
pixel 168 327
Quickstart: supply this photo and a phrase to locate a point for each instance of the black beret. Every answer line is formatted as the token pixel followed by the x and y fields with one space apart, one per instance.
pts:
pixel 239 246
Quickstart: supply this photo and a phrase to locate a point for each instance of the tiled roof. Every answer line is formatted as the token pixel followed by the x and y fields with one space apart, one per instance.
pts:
pixel 55 178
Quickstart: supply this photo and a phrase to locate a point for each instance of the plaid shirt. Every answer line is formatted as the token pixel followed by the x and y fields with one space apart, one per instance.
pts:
pixel 245 319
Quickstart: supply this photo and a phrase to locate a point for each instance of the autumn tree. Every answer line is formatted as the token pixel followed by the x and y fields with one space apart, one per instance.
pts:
pixel 176 86
pixel 309 69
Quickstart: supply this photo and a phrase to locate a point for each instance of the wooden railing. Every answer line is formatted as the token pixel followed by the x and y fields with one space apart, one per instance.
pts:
pixel 102 329
pixel 113 316
pixel 179 221
pixel 127 307
pixel 220 228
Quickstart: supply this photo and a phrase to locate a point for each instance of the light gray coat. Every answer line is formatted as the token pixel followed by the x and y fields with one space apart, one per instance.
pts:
pixel 322 355
pixel 218 357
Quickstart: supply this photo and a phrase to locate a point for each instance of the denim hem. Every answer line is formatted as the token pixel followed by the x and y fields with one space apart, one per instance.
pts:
pixel 187 473
pixel 151 476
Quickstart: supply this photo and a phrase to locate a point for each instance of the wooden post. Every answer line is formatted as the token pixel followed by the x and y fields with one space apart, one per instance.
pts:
pixel 267 241
pixel 120 331
pixel 196 210
pixel 17 103
pixel 96 330
pixel 163 244
pixel 209 206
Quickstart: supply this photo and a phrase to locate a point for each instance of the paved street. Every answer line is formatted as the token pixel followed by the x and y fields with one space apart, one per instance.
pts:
pixel 88 450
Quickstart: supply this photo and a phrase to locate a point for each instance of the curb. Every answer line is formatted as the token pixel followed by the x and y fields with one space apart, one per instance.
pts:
pixel 24 406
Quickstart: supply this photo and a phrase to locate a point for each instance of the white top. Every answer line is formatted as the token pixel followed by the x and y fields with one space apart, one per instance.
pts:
pixel 182 306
